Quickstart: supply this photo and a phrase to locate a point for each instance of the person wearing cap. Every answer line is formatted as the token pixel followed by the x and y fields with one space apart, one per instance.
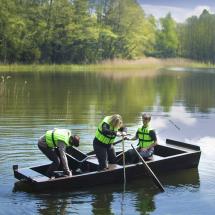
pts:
pixel 53 144
pixel 108 129
pixel 147 140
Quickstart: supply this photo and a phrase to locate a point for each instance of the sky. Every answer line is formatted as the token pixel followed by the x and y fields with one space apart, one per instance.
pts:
pixel 179 9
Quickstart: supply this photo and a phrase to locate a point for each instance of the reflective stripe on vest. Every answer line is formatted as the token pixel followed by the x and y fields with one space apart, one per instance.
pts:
pixel 106 139
pixel 144 138
pixel 58 134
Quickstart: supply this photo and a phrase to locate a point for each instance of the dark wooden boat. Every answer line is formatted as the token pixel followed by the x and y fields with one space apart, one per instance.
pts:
pixel 172 156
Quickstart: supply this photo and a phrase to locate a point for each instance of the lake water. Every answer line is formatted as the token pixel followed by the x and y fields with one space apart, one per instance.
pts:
pixel 182 103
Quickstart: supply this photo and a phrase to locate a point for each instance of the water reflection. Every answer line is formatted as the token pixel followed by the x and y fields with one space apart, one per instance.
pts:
pixel 87 94
pixel 137 198
pixel 55 204
pixel 186 179
pixel 102 200
pixel 31 103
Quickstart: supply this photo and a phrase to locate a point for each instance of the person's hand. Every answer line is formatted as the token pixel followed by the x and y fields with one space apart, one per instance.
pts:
pixel 118 134
pixel 123 133
pixel 143 149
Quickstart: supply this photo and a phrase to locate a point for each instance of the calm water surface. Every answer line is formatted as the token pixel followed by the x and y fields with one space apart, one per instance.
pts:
pixel 182 103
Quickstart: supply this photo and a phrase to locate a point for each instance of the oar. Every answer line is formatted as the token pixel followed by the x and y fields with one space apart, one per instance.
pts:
pixel 155 179
pixel 79 161
pixel 123 151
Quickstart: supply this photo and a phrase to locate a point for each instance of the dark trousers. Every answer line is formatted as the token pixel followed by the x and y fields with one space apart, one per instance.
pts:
pixel 52 155
pixel 104 153
pixel 132 157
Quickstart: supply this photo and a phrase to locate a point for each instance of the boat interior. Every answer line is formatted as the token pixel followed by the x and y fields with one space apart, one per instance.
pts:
pixel 81 163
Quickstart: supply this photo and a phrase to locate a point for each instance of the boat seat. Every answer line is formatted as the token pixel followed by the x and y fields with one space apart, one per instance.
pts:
pixel 93 160
pixel 36 176
pixel 95 163
pixel 113 166
pixel 156 158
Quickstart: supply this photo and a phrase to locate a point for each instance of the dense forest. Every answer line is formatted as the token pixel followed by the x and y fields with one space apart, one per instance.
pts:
pixel 89 31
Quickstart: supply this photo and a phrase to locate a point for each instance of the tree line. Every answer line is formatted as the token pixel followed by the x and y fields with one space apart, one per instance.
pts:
pixel 89 31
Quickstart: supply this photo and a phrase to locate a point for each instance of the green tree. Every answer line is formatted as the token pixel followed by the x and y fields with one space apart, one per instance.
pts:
pixel 133 31
pixel 167 38
pixel 197 37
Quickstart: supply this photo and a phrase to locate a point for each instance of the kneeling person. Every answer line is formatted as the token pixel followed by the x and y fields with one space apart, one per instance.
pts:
pixel 53 144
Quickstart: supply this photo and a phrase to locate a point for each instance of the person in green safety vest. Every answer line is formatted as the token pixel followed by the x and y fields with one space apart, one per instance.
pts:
pixel 147 140
pixel 53 144
pixel 108 129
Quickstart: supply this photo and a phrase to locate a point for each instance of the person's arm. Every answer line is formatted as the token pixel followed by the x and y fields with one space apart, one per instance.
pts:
pixel 62 149
pixel 132 138
pixel 123 129
pixel 42 141
pixel 106 130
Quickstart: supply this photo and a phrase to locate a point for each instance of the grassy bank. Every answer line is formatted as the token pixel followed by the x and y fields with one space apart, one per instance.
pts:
pixel 114 65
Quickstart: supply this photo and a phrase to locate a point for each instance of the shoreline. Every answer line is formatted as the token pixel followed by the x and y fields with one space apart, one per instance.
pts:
pixel 109 65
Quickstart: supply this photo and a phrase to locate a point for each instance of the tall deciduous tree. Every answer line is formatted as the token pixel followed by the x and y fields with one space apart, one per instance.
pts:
pixel 167 39
pixel 133 29
pixel 197 37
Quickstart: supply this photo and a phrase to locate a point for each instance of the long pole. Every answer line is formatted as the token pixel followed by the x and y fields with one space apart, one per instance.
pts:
pixel 149 170
pixel 173 124
pixel 124 175
pixel 123 150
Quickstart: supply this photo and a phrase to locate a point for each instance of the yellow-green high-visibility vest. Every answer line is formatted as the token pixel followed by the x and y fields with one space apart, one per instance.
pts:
pixel 144 138
pixel 53 136
pixel 106 139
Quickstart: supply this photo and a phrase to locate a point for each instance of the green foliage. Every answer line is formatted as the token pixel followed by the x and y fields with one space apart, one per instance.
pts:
pixel 167 38
pixel 90 31
pixel 127 20
pixel 197 37
pixel 78 31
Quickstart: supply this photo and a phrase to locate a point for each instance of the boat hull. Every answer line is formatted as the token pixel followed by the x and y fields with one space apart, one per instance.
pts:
pixel 170 157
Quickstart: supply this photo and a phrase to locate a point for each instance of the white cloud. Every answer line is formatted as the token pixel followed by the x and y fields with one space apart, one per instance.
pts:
pixel 198 10
pixel 179 14
pixel 179 113
pixel 159 122
pixel 207 145
pixel 207 139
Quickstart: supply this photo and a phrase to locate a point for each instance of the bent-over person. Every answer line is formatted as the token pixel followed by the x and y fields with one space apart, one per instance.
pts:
pixel 53 144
